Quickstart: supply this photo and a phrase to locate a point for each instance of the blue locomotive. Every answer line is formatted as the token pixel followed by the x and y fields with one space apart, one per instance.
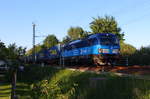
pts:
pixel 99 48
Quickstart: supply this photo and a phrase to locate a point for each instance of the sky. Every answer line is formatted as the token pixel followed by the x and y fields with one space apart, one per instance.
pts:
pixel 57 16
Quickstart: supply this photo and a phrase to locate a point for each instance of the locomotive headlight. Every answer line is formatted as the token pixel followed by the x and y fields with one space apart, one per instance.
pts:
pixel 103 50
pixel 100 50
pixel 115 51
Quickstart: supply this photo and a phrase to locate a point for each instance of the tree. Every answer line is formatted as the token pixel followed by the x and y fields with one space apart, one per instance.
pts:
pixel 3 51
pixel 76 32
pixel 127 49
pixel 66 39
pixel 2 45
pixel 141 56
pixel 14 52
pixel 108 24
pixel 51 40
pixel 29 52
pixel 37 49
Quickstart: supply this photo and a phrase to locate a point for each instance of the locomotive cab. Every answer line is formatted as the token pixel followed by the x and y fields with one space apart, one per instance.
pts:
pixel 108 49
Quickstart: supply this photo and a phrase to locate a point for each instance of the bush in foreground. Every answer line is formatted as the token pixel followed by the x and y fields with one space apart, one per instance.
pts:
pixel 51 83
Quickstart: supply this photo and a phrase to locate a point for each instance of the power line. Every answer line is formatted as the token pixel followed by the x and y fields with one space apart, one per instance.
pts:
pixel 131 8
pixel 41 36
pixel 137 19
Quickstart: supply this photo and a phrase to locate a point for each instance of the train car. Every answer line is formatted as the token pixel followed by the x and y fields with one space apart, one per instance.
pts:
pixel 46 56
pixel 42 56
pixel 99 48
pixel 29 59
pixel 54 54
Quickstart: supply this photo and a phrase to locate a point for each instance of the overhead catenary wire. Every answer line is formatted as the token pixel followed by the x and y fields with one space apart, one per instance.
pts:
pixel 137 19
pixel 132 7
pixel 144 5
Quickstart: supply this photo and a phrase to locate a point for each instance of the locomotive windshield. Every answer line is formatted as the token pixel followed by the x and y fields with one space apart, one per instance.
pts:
pixel 109 40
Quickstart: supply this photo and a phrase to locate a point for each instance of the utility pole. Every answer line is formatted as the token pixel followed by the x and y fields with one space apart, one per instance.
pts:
pixel 34 36
pixel 34 56
pixel 14 79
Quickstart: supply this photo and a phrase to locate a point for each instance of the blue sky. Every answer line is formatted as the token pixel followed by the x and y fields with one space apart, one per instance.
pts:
pixel 57 16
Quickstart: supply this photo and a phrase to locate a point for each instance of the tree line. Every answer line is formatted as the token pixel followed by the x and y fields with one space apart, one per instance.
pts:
pixel 140 56
pixel 11 53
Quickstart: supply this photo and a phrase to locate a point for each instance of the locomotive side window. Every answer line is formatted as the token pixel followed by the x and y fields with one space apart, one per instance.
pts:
pixel 67 48
pixel 73 47
pixel 109 40
pixel 93 41
pixel 115 41
pixel 80 44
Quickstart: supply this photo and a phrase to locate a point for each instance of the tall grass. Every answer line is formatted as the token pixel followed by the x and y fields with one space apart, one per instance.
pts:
pixel 51 83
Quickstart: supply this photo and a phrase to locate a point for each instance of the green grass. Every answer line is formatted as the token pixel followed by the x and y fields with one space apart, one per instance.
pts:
pixel 51 83
pixel 5 90
pixel 22 91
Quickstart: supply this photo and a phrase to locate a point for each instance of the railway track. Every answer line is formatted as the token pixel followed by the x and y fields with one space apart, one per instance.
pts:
pixel 136 70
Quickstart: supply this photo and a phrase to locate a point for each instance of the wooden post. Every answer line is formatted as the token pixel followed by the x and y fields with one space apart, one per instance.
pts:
pixel 14 79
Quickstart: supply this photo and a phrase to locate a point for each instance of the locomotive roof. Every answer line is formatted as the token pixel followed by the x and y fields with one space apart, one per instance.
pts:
pixel 88 37
pixel 96 34
pixel 75 41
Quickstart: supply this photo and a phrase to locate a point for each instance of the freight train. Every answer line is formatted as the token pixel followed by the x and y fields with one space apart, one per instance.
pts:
pixel 98 49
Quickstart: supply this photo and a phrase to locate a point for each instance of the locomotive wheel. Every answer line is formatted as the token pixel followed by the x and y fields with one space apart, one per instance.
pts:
pixel 111 62
pixel 98 60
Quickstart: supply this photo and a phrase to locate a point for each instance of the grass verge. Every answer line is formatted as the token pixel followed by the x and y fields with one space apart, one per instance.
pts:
pixel 50 83
pixel 5 90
